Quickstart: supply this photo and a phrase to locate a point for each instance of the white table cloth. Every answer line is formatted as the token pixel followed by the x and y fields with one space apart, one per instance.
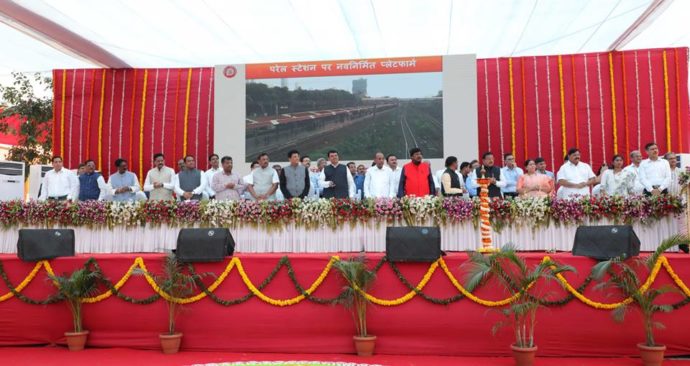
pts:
pixel 349 238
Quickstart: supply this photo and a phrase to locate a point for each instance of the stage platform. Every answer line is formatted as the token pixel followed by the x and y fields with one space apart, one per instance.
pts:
pixel 438 321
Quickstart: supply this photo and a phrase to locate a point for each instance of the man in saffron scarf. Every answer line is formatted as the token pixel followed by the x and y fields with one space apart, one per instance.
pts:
pixel 415 178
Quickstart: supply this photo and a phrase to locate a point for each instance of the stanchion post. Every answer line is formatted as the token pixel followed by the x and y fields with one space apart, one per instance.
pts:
pixel 484 214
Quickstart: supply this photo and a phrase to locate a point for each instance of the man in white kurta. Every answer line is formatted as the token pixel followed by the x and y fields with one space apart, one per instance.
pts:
pixel 655 172
pixel 59 184
pixel 392 161
pixel 377 181
pixel 574 177
pixel 159 180
pixel 213 168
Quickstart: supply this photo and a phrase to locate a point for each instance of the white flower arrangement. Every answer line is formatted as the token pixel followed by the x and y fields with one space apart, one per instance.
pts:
pixel 315 213
pixel 419 210
pixel 124 213
pixel 530 211
pixel 219 213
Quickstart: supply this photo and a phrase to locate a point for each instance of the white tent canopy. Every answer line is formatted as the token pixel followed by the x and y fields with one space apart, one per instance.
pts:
pixel 39 35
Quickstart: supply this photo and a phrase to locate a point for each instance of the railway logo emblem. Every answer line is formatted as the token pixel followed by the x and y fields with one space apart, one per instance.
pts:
pixel 229 71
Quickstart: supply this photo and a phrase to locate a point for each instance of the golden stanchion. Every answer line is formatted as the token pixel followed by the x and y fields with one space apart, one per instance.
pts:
pixel 484 212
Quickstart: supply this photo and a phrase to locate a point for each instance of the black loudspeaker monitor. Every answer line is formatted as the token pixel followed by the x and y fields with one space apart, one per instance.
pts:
pixel 204 245
pixel 606 242
pixel 38 244
pixel 413 244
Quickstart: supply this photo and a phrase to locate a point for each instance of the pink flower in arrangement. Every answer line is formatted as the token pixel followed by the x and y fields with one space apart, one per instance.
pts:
pixel 500 209
pixel 349 210
pixel 567 211
pixel 11 212
pixel 91 213
pixel 248 211
pixel 388 209
pixel 458 209
pixel 188 212
pixel 328 212
pixel 159 212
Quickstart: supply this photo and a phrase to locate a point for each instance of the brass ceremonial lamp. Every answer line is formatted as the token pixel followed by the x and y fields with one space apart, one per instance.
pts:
pixel 484 211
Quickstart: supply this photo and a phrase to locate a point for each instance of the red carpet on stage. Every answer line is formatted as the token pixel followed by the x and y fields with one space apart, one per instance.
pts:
pixel 417 327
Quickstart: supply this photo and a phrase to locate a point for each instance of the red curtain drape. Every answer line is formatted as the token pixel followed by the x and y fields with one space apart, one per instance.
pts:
pixel 104 114
pixel 529 106
pixel 603 103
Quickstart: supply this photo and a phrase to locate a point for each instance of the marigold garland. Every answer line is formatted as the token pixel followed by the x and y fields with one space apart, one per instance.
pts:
pixel 674 276
pixel 30 277
pixel 141 127
pixel 177 102
pixel 613 104
pixel 562 95
pixel 117 286
pixel 512 105
pixel 469 295
pixel 524 106
pixel 575 107
pixel 287 302
pixel 100 122
pixel 186 113
pixel 678 101
pixel 235 262
pixel 88 126
pixel 625 108
pixel 408 296
pixel 187 300
pixel 667 104
pixel 131 117
pixel 62 112
pixel 599 305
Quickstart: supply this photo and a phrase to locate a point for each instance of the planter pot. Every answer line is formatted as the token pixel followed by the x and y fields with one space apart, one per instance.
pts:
pixel 365 345
pixel 171 343
pixel 76 340
pixel 524 356
pixel 651 356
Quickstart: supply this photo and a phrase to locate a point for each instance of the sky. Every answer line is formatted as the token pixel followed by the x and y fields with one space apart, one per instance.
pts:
pixel 411 85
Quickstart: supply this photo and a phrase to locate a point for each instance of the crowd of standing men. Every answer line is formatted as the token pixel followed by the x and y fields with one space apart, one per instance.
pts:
pixel 329 178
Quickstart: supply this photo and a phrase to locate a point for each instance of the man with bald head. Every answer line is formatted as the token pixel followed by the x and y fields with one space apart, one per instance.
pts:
pixel 378 179
pixel 634 167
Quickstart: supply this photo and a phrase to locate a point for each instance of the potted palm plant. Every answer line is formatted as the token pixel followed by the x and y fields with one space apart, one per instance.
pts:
pixel 358 280
pixel 74 287
pixel 623 277
pixel 177 284
pixel 515 277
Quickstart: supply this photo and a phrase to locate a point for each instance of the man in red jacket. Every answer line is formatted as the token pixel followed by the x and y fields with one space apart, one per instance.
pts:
pixel 416 179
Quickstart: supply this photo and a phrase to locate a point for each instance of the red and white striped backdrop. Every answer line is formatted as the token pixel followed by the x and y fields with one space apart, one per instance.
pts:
pixel 603 103
pixel 530 106
pixel 104 114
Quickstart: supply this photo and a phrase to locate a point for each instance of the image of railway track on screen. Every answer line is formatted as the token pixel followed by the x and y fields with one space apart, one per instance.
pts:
pixel 356 115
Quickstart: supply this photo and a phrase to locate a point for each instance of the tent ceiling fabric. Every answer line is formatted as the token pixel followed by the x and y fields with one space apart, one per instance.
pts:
pixel 181 33
pixel 22 52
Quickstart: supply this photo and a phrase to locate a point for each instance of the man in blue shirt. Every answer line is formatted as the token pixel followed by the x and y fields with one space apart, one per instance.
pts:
pixel 361 173
pixel 470 179
pixel 541 167
pixel 510 173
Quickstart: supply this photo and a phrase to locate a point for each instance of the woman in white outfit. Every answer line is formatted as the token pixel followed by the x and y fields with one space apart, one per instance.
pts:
pixel 617 181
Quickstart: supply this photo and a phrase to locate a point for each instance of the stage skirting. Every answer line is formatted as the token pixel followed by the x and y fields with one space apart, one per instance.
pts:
pixel 278 319
pixel 371 237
